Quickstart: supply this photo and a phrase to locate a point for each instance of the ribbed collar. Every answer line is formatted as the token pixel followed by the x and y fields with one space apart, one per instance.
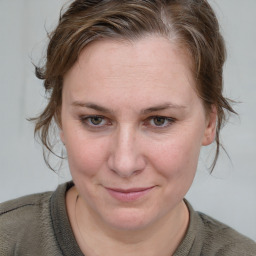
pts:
pixel 67 242
pixel 61 225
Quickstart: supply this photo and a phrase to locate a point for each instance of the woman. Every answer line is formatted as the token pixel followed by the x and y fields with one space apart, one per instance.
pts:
pixel 135 89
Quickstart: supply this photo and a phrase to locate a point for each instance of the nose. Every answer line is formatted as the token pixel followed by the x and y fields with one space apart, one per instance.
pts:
pixel 126 157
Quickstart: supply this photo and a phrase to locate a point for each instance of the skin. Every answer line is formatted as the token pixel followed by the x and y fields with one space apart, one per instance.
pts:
pixel 111 98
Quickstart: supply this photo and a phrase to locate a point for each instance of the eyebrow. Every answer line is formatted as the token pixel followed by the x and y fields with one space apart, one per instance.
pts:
pixel 143 111
pixel 92 106
pixel 162 107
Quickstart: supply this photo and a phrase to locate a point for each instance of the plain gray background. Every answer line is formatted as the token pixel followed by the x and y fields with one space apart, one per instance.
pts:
pixel 229 194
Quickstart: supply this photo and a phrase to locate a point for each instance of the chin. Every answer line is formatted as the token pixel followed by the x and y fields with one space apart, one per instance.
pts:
pixel 129 219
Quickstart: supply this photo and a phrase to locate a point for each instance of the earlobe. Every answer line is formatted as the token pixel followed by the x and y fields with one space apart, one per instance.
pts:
pixel 210 130
pixel 62 137
pixel 58 121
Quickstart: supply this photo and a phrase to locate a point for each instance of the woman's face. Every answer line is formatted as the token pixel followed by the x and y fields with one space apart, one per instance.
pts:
pixel 133 126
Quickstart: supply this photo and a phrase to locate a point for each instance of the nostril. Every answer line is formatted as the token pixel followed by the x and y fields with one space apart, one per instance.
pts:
pixel 137 172
pixel 126 174
pixel 126 167
pixel 126 158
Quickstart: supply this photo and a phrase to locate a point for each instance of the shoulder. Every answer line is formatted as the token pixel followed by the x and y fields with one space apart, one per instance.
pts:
pixel 22 219
pixel 208 236
pixel 25 207
pixel 14 205
pixel 224 240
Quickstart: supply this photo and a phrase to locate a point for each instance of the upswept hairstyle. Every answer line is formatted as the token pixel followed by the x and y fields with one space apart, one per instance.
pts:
pixel 190 24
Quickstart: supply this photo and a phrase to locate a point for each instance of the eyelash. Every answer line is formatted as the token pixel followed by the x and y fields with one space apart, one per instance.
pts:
pixel 87 120
pixel 167 120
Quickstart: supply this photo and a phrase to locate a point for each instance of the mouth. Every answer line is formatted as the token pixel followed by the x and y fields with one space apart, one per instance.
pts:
pixel 128 195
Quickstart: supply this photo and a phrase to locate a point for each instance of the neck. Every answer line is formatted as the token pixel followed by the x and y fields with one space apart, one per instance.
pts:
pixel 96 238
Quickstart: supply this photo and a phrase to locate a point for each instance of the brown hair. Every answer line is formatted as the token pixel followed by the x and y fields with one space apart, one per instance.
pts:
pixel 191 24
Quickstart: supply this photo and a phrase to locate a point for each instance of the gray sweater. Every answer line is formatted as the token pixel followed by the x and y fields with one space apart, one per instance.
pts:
pixel 38 225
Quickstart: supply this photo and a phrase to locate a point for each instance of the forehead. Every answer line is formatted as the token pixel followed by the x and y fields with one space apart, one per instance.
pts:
pixel 148 65
pixel 151 50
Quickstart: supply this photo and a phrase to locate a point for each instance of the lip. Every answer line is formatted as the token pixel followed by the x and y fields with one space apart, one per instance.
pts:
pixel 128 195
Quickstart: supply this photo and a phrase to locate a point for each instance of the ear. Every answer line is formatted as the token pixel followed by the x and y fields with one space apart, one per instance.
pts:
pixel 210 129
pixel 62 136
pixel 59 124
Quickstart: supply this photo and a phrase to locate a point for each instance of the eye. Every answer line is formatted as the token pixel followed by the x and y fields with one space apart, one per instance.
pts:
pixel 160 121
pixel 94 121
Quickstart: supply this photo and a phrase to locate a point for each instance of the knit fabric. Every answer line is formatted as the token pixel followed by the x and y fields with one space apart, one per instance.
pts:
pixel 38 225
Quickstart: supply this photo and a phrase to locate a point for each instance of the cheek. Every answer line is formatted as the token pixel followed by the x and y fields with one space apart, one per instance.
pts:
pixel 176 157
pixel 86 156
